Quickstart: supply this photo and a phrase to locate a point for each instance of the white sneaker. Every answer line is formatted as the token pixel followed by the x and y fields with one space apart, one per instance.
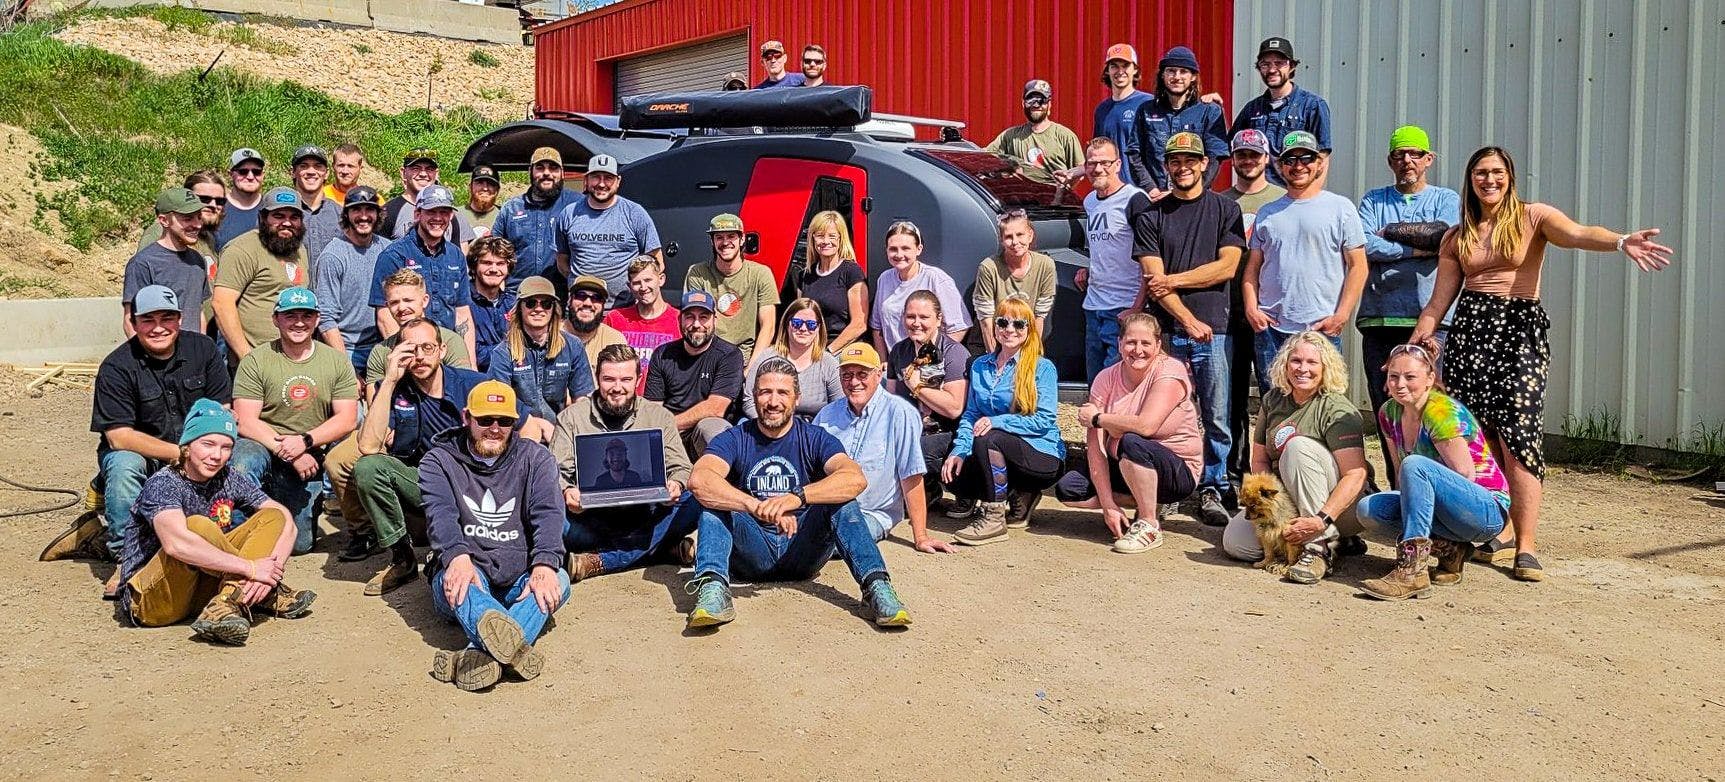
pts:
pixel 1139 538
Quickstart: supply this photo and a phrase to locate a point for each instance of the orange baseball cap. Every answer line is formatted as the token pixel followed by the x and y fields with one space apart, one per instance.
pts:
pixel 1122 51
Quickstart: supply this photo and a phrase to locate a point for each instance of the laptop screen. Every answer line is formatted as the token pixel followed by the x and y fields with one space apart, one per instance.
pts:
pixel 609 461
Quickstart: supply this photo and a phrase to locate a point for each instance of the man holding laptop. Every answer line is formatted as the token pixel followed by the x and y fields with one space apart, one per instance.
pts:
pixel 624 474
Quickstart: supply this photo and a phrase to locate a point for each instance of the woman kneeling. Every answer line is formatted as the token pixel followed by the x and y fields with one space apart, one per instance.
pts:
pixel 1452 493
pixel 1143 438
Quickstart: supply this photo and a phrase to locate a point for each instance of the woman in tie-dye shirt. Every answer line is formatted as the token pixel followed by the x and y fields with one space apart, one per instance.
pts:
pixel 1452 493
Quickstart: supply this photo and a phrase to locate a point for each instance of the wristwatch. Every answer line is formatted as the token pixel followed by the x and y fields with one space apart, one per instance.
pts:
pixel 309 444
pixel 1096 421
pixel 1325 518
pixel 798 493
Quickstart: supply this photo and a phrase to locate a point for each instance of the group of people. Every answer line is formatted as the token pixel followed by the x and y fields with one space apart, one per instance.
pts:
pixel 441 374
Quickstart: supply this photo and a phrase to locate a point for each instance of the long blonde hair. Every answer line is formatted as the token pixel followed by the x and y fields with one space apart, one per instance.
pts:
pixel 518 331
pixel 828 220
pixel 1509 218
pixel 1024 379
pixel 783 343
pixel 1335 380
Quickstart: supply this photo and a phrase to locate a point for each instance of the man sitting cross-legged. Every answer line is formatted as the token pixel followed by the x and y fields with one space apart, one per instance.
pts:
pixel 779 496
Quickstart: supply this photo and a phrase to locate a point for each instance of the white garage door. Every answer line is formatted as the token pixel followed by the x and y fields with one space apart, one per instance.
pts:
pixel 702 66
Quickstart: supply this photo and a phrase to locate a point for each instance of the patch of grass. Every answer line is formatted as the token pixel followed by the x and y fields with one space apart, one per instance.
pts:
pixel 1594 439
pixel 483 59
pixel 248 36
pixel 1704 447
pixel 176 18
pixel 121 133
pixel 362 48
pixel 13 285
pixel 494 93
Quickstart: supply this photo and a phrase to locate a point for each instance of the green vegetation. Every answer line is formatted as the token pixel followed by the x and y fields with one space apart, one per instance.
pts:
pixel 195 21
pixel 1594 439
pixel 483 59
pixel 121 133
pixel 362 48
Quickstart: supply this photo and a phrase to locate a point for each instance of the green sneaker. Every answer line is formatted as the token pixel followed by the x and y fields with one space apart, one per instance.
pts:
pixel 883 601
pixel 712 602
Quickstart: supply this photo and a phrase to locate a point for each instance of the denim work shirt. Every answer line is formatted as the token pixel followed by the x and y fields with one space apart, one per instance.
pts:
pixel 990 395
pixel 1157 123
pixel 1301 111
pixel 545 384
pixel 490 325
pixel 530 229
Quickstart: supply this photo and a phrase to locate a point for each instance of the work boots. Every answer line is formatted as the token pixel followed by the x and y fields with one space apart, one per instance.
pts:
pixel 988 527
pixel 286 602
pixel 1450 556
pixel 1409 578
pixel 225 620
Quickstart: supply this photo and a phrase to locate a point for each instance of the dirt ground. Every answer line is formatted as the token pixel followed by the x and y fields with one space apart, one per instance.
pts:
pixel 1046 657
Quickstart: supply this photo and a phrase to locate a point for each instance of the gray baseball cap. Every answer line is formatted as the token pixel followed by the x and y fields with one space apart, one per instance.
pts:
pixel 281 198
pixel 602 164
pixel 155 298
pixel 243 154
pixel 435 197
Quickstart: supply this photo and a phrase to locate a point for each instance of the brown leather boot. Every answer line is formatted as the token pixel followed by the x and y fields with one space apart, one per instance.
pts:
pixel 286 602
pixel 225 620
pixel 1450 556
pixel 1409 578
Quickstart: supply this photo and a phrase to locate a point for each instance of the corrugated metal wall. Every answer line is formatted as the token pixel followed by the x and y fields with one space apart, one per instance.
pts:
pixel 1611 109
pixel 949 59
pixel 700 66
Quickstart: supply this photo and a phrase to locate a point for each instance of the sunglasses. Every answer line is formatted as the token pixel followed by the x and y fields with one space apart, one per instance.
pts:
pixel 772 55
pixel 248 172
pixel 539 303
pixel 214 200
pixel 488 421
pixel 804 324
pixel 586 294
pixel 1018 324
pixel 1035 102
pixel 807 61
pixel 1412 349
pixel 1299 160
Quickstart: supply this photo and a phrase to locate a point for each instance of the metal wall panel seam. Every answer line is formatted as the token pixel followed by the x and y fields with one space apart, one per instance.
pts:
pixel 1403 29
pixel 1629 425
pixel 1360 100
pixel 1583 179
pixel 1488 56
pixel 1691 220
pixel 1446 78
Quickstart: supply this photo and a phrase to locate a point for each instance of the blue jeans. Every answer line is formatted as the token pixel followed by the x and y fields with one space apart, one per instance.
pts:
pixel 626 537
pixel 1208 362
pixel 123 475
pixel 282 484
pixel 1101 340
pixel 516 602
pixel 1269 342
pixel 1435 501
pixel 759 552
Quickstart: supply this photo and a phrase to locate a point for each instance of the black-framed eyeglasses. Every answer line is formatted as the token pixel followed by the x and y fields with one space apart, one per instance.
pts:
pixel 1409 154
pixel 1299 160
pixel 488 421
pixel 1100 163
pixel 1018 324
pixel 539 303
pixel 426 348
pixel 214 200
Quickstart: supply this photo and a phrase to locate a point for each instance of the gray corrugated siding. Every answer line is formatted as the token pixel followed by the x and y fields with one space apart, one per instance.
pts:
pixel 702 66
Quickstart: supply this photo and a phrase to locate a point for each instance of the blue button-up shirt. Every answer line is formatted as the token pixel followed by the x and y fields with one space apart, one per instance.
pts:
pixel 1398 283
pixel 443 267
pixel 545 383
pixel 886 440
pixel 1157 123
pixel 530 230
pixel 990 395
pixel 490 325
pixel 1301 111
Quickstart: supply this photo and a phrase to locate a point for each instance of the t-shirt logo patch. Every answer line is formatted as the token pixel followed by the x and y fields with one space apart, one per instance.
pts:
pixel 771 477
pixel 1034 156
pixel 729 303
pixel 403 404
pixel 222 512
pixel 298 390
pixel 1283 435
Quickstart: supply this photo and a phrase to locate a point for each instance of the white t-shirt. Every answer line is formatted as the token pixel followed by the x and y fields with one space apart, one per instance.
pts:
pixel 1303 242
pixel 1115 275
pixel 890 294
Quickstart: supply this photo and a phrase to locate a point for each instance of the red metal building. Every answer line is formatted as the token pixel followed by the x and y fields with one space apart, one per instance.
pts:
pixel 961 60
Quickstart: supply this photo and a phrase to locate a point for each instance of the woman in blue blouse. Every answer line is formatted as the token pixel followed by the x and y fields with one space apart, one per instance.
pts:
pixel 546 365
pixel 1007 448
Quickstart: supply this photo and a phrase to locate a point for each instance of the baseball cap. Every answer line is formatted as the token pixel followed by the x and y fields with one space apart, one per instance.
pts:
pixel 281 198
pixel 602 164
pixel 310 150
pixel 296 298
pixel 361 195
pixel 535 286
pixel 589 282
pixel 155 298
pixel 491 398
pixel 1184 143
pixel 1180 57
pixel 701 299
pixel 178 200
pixel 485 174
pixel 546 153
pixel 207 417
pixel 1410 137
pixel 1122 51
pixel 435 197
pixel 418 154
pixel 1038 87
pixel 772 46
pixel 725 223
pixel 1277 45
pixel 243 154
pixel 1252 139
pixel 859 354
pixel 736 78
pixel 1300 139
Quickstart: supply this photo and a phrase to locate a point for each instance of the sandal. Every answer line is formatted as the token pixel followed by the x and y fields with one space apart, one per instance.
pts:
pixel 1495 552
pixel 1527 568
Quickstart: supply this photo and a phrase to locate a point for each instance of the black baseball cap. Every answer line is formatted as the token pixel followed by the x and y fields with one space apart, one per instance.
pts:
pixel 1277 45
pixel 362 195
pixel 485 174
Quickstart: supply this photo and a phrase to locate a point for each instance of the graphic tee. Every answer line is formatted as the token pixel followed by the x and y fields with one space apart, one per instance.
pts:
pixel 739 298
pixel 645 335
pixel 1328 418
pixel 766 467
pixel 297 395
pixel 1443 418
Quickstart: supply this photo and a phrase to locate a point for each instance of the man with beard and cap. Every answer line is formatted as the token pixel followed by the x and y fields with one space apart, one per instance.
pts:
pixel 587 317
pixel 698 377
pixel 294 397
pixel 1252 190
pixel 1284 107
pixel 418 398
pixel 322 214
pixel 773 59
pixel 814 66
pixel 481 209
pixel 602 232
pixel 418 172
pixel 743 291
pixel 611 540
pixel 490 261
pixel 343 283
pixel 174 259
pixel 429 250
pixel 347 163
pixel 211 190
pixel 495 519
pixel 529 220
pixel 779 496
pixel 246 172
pixel 1042 145
pixel 254 270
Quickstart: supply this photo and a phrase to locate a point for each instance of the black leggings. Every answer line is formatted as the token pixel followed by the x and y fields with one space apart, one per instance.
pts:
pixel 1174 480
pixel 1027 469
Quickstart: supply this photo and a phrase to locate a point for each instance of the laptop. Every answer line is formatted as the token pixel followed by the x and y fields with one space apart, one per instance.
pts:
pixel 620 468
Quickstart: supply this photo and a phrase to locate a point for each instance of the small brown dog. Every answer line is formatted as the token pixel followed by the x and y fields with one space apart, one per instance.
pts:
pixel 1269 508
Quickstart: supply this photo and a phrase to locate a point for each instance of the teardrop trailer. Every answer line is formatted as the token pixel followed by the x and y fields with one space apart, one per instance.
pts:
pixel 777 157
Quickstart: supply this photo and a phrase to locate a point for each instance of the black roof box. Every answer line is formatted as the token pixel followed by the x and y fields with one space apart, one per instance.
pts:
pixel 798 107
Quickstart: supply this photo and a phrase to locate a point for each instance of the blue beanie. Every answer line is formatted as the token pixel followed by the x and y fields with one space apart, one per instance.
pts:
pixel 207 416
pixel 1180 57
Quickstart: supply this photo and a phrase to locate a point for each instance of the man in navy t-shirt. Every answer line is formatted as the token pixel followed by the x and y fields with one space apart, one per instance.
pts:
pixel 780 497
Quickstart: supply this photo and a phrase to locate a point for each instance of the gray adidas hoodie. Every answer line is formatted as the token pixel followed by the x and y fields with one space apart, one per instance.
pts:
pixel 507 516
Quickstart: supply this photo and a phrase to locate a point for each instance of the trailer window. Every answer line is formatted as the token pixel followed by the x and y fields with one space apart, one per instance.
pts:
pixel 1000 178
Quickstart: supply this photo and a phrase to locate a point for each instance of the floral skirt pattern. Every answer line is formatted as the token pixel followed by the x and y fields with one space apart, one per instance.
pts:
pixel 1496 363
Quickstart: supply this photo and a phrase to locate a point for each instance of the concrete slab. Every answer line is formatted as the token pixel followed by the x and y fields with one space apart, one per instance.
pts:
pixel 45 330
pixel 448 20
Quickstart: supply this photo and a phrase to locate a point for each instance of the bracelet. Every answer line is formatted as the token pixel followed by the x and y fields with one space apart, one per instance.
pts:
pixel 1096 421
pixel 251 570
pixel 1620 241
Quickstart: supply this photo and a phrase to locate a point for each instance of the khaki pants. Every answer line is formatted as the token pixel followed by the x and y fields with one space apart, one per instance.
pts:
pixel 339 463
pixel 167 591
pixel 1308 471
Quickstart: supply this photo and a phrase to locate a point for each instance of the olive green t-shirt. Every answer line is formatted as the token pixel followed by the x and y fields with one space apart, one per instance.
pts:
pixel 454 354
pixel 739 299
pixel 1056 148
pixel 247 267
pixel 994 284
pixel 1328 418
pixel 297 395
